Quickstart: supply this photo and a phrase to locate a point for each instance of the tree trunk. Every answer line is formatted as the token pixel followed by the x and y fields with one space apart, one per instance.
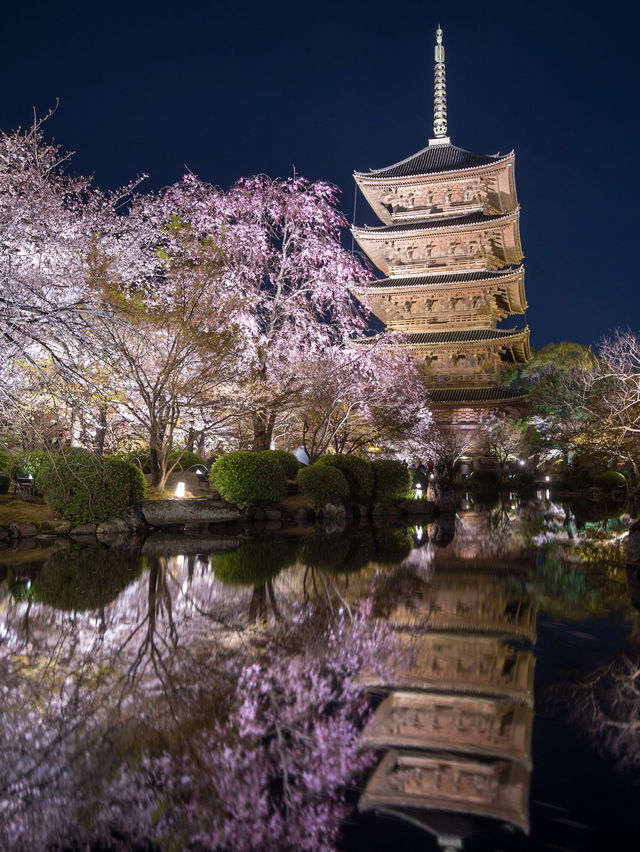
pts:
pixel 156 465
pixel 263 423
pixel 101 432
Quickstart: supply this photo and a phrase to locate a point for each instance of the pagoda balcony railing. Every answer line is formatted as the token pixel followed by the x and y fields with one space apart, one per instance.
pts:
pixel 437 322
pixel 439 211
pixel 444 263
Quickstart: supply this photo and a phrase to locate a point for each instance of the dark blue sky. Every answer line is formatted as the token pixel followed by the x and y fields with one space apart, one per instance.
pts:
pixel 232 89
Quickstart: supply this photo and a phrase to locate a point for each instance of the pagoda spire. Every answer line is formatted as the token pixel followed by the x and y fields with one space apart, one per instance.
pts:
pixel 439 95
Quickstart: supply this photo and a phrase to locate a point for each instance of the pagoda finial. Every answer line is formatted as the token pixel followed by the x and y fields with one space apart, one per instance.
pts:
pixel 439 95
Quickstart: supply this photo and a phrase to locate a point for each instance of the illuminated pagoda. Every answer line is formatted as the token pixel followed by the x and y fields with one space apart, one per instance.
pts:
pixel 449 246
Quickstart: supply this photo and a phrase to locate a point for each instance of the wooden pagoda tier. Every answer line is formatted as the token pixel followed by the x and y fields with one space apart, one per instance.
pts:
pixel 463 299
pixel 457 244
pixel 438 182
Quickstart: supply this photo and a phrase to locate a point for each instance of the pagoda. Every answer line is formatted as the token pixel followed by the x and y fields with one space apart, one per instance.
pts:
pixel 449 248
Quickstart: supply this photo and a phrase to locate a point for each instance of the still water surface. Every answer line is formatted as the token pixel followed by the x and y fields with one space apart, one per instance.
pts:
pixel 206 692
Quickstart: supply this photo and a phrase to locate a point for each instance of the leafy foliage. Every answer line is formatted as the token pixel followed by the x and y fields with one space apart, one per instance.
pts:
pixel 84 578
pixel 255 562
pixel 321 483
pixel 188 459
pixel 287 461
pixel 358 473
pixel 392 478
pixel 137 482
pixel 484 480
pixel 5 462
pixel 249 478
pixel 84 487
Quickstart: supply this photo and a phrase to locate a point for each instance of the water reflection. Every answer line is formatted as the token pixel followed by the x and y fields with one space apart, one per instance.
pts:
pixel 205 688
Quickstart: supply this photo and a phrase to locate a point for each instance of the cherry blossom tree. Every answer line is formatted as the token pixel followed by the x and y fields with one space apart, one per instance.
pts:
pixel 283 245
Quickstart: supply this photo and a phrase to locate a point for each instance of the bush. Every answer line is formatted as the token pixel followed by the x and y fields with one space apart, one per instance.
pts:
pixel 524 481
pixel 5 462
pixel 84 577
pixel 485 480
pixel 84 487
pixel 610 480
pixel 255 562
pixel 358 473
pixel 137 482
pixel 249 478
pixel 321 483
pixel 392 479
pixel 188 460
pixel 287 461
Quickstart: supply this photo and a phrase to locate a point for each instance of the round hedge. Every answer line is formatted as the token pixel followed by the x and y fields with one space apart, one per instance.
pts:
pixel 287 461
pixel 5 462
pixel 249 478
pixel 137 482
pixel 84 577
pixel 610 480
pixel 255 561
pixel 320 483
pixel 358 473
pixel 84 487
pixel 188 460
pixel 392 479
pixel 484 480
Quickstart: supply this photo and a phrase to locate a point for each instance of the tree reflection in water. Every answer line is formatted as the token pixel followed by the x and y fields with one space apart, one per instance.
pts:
pixel 167 714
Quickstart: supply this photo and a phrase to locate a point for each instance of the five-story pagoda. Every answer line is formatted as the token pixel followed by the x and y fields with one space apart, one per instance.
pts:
pixel 450 249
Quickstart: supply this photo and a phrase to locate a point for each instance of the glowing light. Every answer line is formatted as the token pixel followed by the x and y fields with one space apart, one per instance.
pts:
pixel 432 476
pixel 375 449
pixel 547 479
pixel 418 492
pixel 521 462
pixel 547 494
pixel 419 533
pixel 180 489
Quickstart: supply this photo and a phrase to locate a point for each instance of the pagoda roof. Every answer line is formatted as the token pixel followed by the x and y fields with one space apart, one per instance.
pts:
pixel 433 224
pixel 470 335
pixel 457 395
pixel 453 278
pixel 435 159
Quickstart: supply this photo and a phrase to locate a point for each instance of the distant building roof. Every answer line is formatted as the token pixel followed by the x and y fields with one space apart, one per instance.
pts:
pixel 462 336
pixel 435 158
pixel 440 396
pixel 434 280
pixel 427 224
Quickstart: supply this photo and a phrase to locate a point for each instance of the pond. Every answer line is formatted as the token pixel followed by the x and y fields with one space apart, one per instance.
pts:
pixel 468 684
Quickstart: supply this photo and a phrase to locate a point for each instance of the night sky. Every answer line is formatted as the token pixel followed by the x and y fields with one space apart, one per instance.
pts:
pixel 233 89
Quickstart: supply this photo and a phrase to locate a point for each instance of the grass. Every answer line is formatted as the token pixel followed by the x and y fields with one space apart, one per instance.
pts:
pixel 16 509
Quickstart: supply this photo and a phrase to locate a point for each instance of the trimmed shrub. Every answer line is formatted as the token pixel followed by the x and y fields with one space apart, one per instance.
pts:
pixel 188 460
pixel 610 480
pixel 485 480
pixel 249 478
pixel 5 462
pixel 392 479
pixel 84 577
pixel 255 562
pixel 524 481
pixel 287 461
pixel 84 487
pixel 321 483
pixel 358 473
pixel 392 545
pixel 137 482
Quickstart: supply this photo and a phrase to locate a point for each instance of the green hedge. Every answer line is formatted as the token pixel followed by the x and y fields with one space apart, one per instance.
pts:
pixel 392 479
pixel 524 481
pixel 358 473
pixel 287 461
pixel 320 483
pixel 84 577
pixel 249 478
pixel 188 460
pixel 5 462
pixel 137 482
pixel 610 480
pixel 84 487
pixel 255 561
pixel 485 480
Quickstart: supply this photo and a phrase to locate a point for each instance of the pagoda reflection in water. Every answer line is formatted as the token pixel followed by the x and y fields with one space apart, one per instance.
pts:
pixel 457 720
